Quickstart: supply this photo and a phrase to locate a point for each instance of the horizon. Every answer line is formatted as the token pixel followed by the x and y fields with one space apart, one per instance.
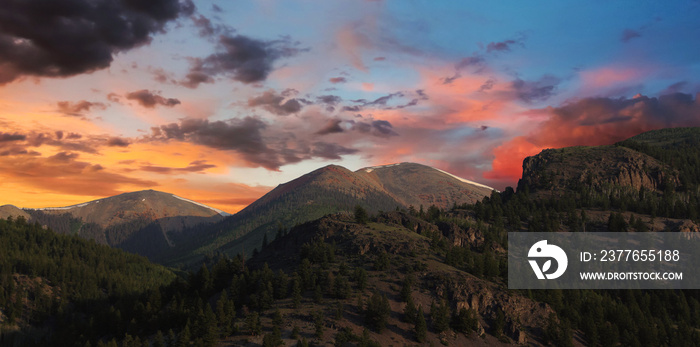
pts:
pixel 221 102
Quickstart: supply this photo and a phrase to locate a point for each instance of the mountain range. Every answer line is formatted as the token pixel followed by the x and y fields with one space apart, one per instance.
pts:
pixel 390 255
pixel 174 230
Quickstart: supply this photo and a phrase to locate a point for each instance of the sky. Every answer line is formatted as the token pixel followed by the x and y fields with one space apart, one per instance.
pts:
pixel 221 101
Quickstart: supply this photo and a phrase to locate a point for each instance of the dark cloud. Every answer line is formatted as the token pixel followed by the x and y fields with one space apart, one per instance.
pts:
pixel 78 109
pixel 216 8
pixel 382 128
pixel 336 80
pixel 74 136
pixel 208 29
pixel 118 142
pixel 329 99
pixel 7 137
pixel 449 80
pixel 18 151
pixel 533 91
pixel 331 127
pixel 64 156
pixel 629 34
pixel 473 61
pixel 149 99
pixel 379 128
pixel 488 85
pixel 243 136
pixel 502 46
pixel 380 101
pixel 66 38
pixel 483 128
pixel 355 108
pixel 330 150
pixel 240 58
pixel 379 58
pixel 195 166
pixel 276 104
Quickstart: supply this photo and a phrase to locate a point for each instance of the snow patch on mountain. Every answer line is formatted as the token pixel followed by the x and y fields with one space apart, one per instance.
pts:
pixel 59 208
pixel 464 180
pixel 203 205
pixel 372 168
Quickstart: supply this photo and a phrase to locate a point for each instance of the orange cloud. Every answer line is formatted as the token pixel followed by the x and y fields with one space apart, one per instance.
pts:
pixel 507 165
pixel 592 122
pixel 609 76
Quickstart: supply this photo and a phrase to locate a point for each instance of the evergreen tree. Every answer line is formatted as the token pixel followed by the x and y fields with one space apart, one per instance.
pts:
pixel 420 329
pixel 440 316
pixel 361 215
pixel 377 312
pixel 409 311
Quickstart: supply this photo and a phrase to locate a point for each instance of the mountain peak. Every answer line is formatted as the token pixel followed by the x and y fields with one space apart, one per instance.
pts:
pixel 408 165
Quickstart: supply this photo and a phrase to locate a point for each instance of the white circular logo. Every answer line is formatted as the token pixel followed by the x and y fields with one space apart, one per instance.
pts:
pixel 542 250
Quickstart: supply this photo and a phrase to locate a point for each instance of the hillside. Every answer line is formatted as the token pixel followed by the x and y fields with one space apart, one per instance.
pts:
pixel 143 222
pixel 653 173
pixel 55 287
pixel 12 211
pixel 327 190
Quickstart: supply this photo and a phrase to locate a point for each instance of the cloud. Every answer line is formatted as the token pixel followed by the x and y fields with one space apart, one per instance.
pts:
pixel 336 80
pixel 118 142
pixel 78 109
pixel 629 34
pixel 595 121
pixel 18 151
pixel 474 60
pixel 66 38
pixel 533 91
pixel 331 127
pixel 243 136
pixel 149 99
pixel 198 166
pixel 330 150
pixel 502 46
pixel 7 137
pixel 159 75
pixel 276 104
pixel 240 58
pixel 64 156
pixel 329 99
pixel 378 128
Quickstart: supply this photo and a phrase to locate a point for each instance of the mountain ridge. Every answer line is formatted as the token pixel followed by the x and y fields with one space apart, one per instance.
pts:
pixel 332 189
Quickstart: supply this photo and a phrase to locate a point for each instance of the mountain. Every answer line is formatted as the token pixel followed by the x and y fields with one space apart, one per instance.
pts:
pixel 327 190
pixel 12 211
pixel 144 222
pixel 655 173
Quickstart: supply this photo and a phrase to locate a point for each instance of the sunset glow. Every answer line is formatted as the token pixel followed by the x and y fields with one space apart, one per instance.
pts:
pixel 221 103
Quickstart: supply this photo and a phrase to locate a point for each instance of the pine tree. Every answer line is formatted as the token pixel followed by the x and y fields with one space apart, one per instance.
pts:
pixel 440 316
pixel 377 312
pixel 409 311
pixel 420 329
pixel 361 216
